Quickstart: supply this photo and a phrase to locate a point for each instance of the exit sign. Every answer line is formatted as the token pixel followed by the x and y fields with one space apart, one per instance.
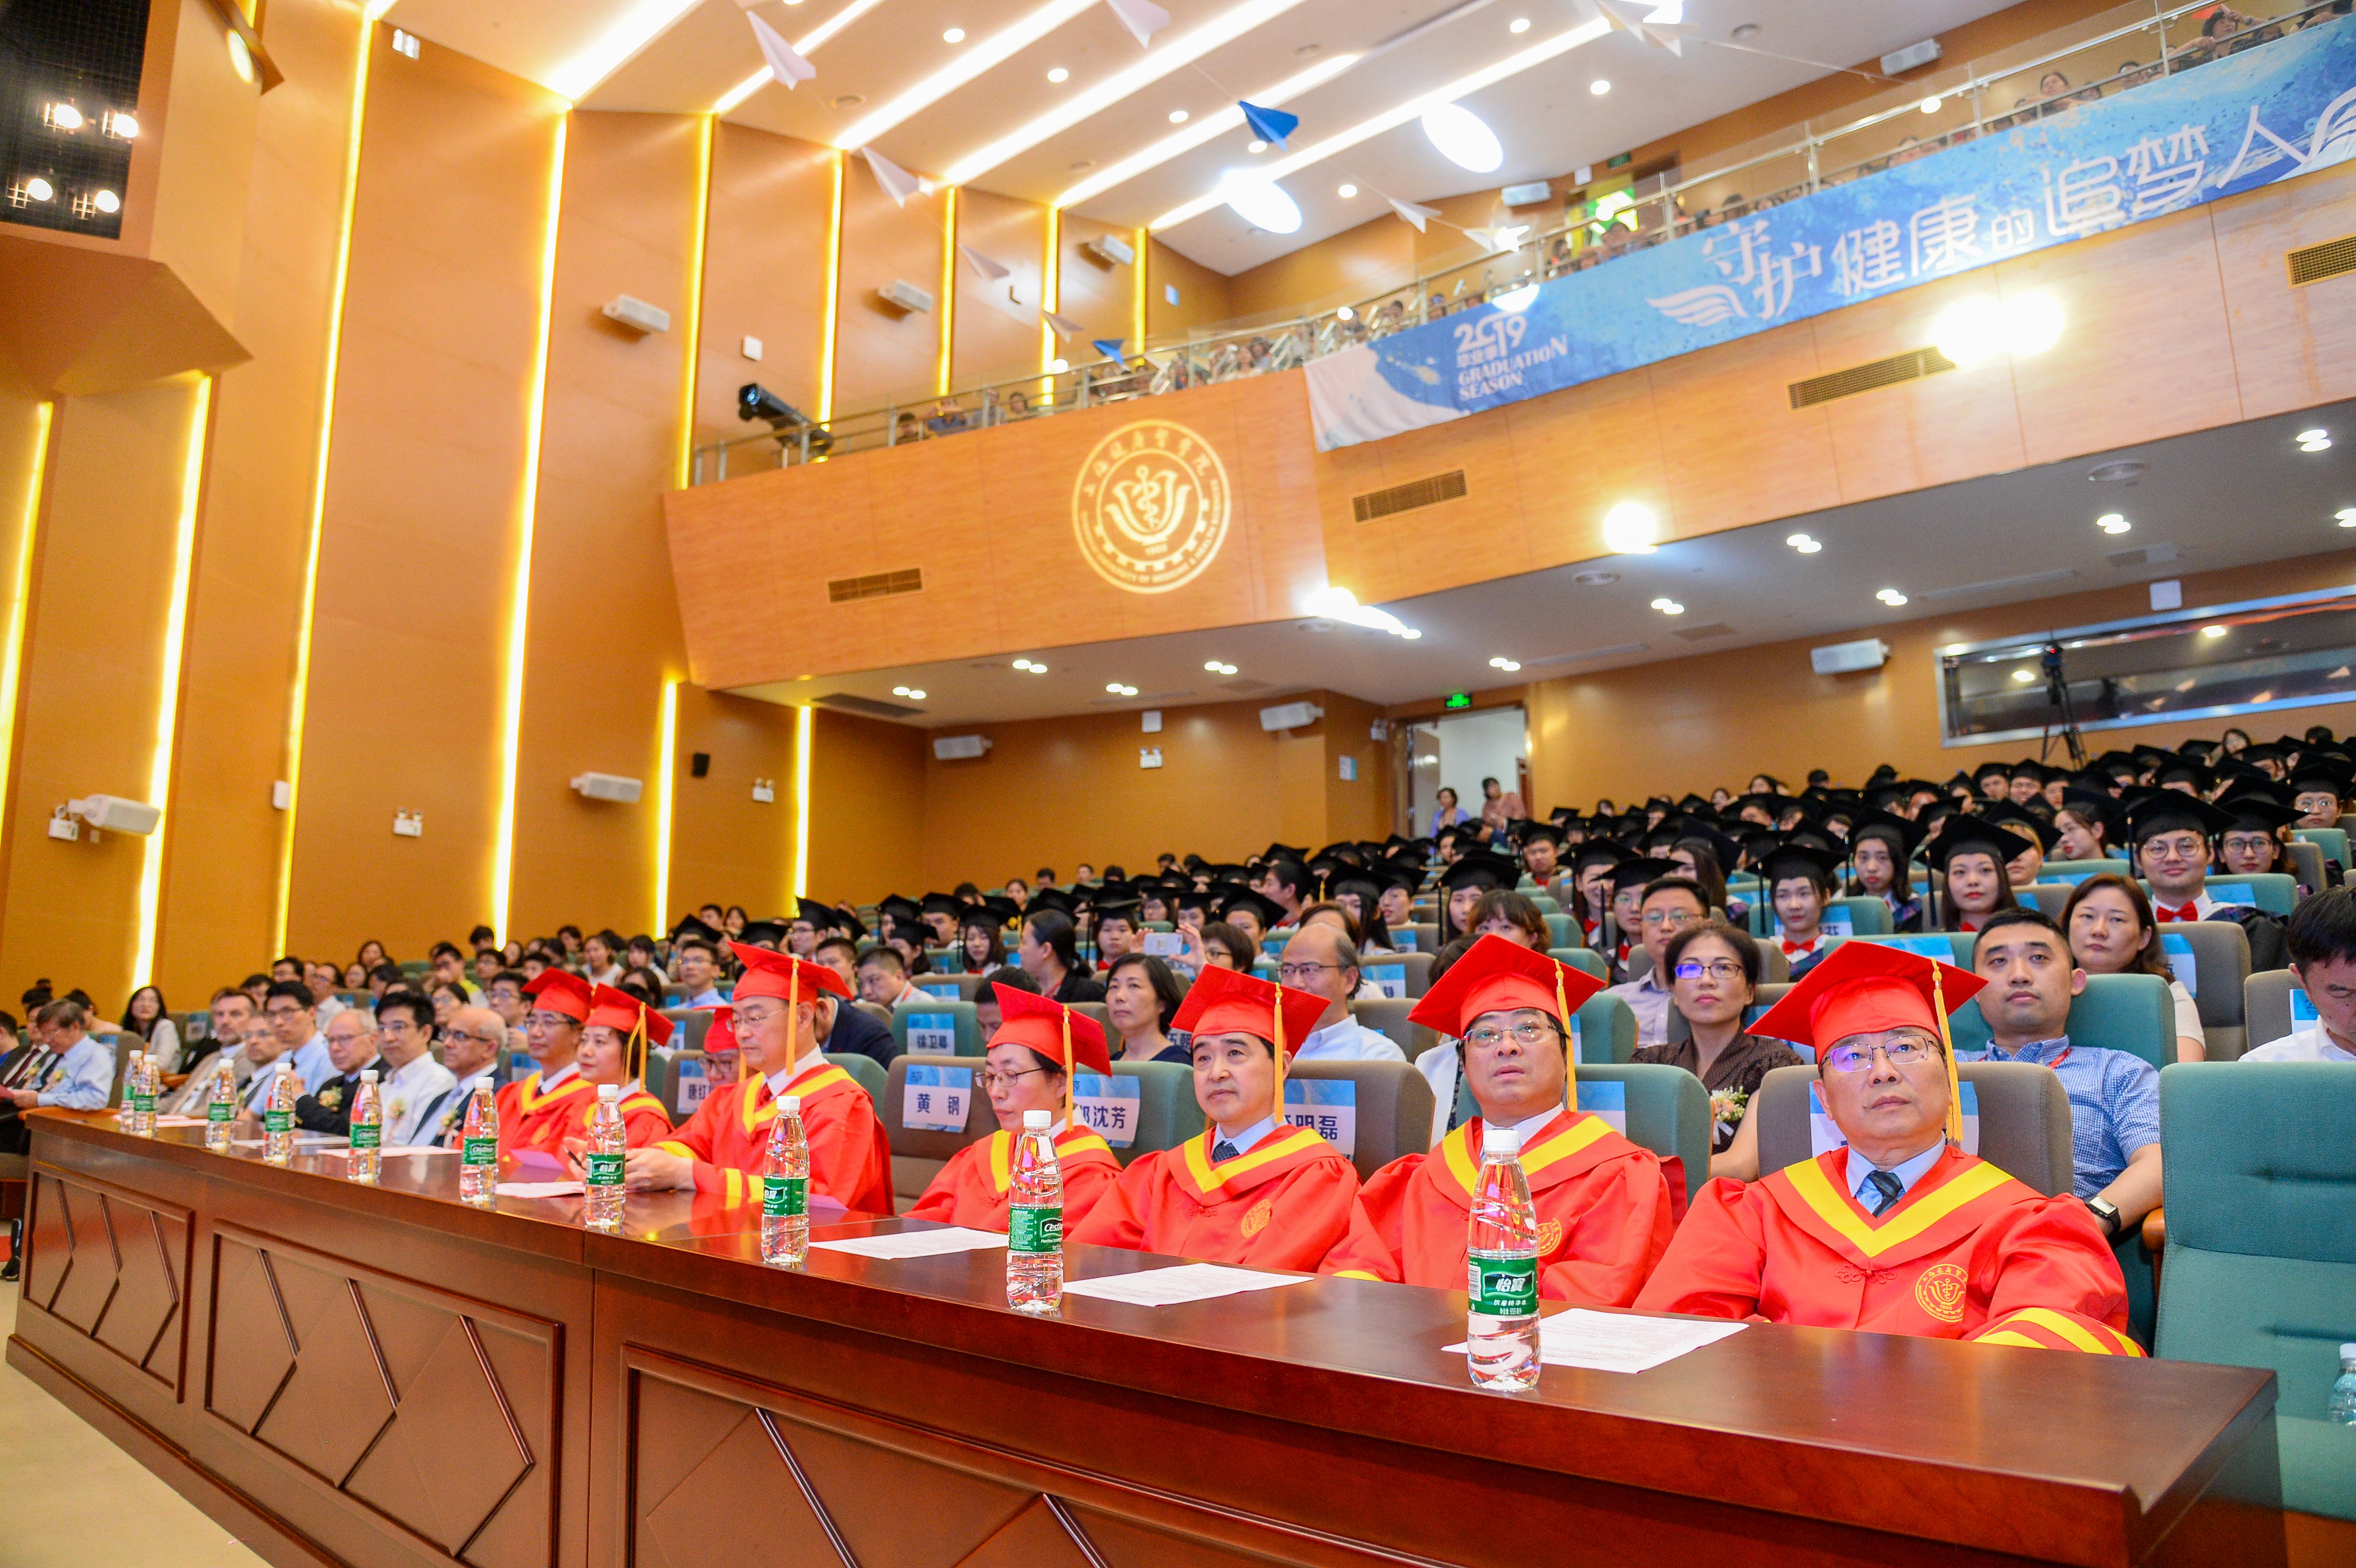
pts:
pixel 1459 700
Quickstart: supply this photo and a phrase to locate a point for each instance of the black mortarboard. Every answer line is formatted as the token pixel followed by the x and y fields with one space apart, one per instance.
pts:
pixel 1056 898
pixel 767 934
pixel 1898 833
pixel 1793 857
pixel 1964 834
pixel 690 925
pixel 1637 872
pixel 1480 868
pixel 2158 811
pixel 1272 913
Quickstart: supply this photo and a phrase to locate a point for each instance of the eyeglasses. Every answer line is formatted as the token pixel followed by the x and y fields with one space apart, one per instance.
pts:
pixel 1490 1037
pixel 1296 974
pixel 499 1039
pixel 1671 917
pixel 394 1026
pixel 1717 969
pixel 1900 1052
pixel 992 1080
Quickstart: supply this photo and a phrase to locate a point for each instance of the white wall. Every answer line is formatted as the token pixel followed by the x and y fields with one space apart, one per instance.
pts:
pixel 1490 744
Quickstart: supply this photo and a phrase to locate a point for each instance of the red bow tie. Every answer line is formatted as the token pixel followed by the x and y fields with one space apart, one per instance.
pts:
pixel 1796 949
pixel 2182 912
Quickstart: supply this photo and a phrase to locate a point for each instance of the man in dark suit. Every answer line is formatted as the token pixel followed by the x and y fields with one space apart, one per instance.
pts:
pixel 351 1046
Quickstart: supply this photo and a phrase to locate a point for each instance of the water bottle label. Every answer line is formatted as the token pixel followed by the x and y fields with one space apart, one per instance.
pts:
pixel 144 1104
pixel 482 1152
pixel 1503 1287
pixel 367 1134
pixel 785 1197
pixel 278 1121
pixel 220 1110
pixel 1033 1231
pixel 604 1170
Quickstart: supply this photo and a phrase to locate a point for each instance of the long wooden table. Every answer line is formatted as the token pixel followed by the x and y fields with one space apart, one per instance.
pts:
pixel 384 1375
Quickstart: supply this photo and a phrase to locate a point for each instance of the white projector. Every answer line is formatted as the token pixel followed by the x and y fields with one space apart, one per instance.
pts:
pixel 1846 658
pixel 960 748
pixel 637 314
pixel 115 813
pixel 1289 716
pixel 907 295
pixel 609 786
pixel 1112 251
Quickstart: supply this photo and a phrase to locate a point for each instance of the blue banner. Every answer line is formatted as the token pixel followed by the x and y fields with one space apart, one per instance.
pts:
pixel 2267 114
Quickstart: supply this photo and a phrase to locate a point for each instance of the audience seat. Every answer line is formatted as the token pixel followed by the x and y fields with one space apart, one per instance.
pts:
pixel 918 1153
pixel 928 1021
pixel 2332 841
pixel 2024 1121
pixel 2261 1181
pixel 1868 916
pixel 1547 904
pixel 668 1067
pixel 1666 1111
pixel 1389 1018
pixel 2050 897
pixel 1948 946
pixel 1607 1030
pixel 869 1076
pixel 1167 1112
pixel 876 1010
pixel 2076 872
pixel 688 1027
pixel 2275 893
pixel 947 988
pixel 1563 930
pixel 1427 936
pixel 1391 1107
pixel 2220 955
pixel 1403 974
pixel 2306 863
pixel 1584 959
pixel 1098 1011
pixel 2134 1013
pixel 2273 1005
pixel 945 960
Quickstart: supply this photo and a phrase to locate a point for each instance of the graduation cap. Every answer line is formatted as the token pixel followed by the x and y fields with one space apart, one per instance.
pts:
pixel 1480 870
pixel 1269 912
pixel 2092 806
pixel 2314 776
pixel 2159 811
pixel 763 933
pixel 1965 834
pixel 1229 1001
pixel 1690 829
pixel 2203 750
pixel 1283 852
pixel 1897 832
pixel 898 908
pixel 2253 812
pixel 1864 987
pixel 2017 822
pixel 1052 1030
pixel 1549 831
pixel 690 925
pixel 2184 771
pixel 1639 870
pixel 1795 856
pixel 1495 975
pixel 991 914
pixel 942 903
pixel 560 991
pixel 1122 908
pixel 1597 852
pixel 637 1024
pixel 1054 898
pixel 1192 898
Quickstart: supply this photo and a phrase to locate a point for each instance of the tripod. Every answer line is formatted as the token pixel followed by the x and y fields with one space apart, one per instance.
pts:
pixel 2058 704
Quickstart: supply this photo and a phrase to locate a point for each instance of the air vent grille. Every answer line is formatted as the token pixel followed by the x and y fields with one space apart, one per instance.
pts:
pixel 1704 633
pixel 2313 264
pixel 1910 366
pixel 1407 497
pixel 880 585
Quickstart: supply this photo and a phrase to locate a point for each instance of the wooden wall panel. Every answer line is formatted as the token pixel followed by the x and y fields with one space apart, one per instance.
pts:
pixel 867 797
pixel 2292 347
pixel 764 274
pixel 881 353
pixel 1202 295
pixel 605 621
pixel 220 884
pixel 997 328
pixel 726 846
pixel 423 506
pixel 1101 298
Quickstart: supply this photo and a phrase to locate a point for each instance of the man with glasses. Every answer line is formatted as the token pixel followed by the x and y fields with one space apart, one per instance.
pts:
pixel 413 1082
pixel 535 1110
pixel 1669 905
pixel 2172 833
pixel 1324 961
pixel 351 1050
pixel 286 1007
pixel 1899 1231
pixel 471 1043
pixel 1605 1208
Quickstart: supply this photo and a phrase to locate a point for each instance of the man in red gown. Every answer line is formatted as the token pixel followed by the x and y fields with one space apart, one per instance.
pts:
pixel 1900 1232
pixel 1606 1208
pixel 1252 1189
pixel 1032 1057
pixel 774 1013
pixel 536 1111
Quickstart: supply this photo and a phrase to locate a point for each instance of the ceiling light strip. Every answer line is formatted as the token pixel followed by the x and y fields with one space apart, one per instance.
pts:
pixel 693 357
pixel 948 291
pixel 802 728
pixel 969 64
pixel 1511 66
pixel 802 47
pixel 666 761
pixel 1213 124
pixel 1221 29
pixel 617 45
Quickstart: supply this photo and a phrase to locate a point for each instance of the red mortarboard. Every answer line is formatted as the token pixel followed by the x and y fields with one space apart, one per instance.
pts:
pixel 1864 987
pixel 1495 974
pixel 768 974
pixel 624 1013
pixel 1051 1028
pixel 560 991
pixel 1229 1001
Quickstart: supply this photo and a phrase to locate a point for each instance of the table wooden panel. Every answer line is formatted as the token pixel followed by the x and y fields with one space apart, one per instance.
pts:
pixel 387 1376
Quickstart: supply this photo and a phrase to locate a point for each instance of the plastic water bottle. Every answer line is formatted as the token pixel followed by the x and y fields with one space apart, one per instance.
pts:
pixel 365 1160
pixel 478 1142
pixel 141 1078
pixel 2343 1408
pixel 1502 1269
pixel 278 1116
pixel 1034 1214
pixel 606 1143
pixel 220 1109
pixel 785 1188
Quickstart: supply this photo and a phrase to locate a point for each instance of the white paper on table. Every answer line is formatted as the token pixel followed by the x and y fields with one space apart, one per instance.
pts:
pixel 395 1149
pixel 179 1121
pixel 1187 1282
pixel 310 1143
pixel 540 1190
pixel 1619 1341
pixel 915 1243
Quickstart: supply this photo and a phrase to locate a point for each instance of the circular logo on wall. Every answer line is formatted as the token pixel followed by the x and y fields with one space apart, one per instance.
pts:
pixel 1150 508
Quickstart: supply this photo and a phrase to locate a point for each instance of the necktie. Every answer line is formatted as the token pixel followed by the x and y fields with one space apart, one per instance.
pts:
pixel 1887 1188
pixel 1222 1151
pixel 2182 912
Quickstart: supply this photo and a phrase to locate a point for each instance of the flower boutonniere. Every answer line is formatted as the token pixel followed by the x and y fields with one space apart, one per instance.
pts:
pixel 1727 1107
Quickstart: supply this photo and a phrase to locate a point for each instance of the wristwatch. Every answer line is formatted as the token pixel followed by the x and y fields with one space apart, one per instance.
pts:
pixel 2106 1214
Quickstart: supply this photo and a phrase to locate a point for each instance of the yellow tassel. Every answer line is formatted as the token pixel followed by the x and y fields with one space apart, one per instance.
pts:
pixel 793 1021
pixel 1279 1111
pixel 1947 1045
pixel 1569 1051
pixel 1069 1067
pixel 636 1048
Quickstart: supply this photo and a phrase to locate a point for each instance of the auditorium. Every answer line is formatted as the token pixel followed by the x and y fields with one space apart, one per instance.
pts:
pixel 1043 783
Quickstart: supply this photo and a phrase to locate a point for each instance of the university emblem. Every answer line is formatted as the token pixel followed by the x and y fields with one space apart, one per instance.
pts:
pixel 1151 506
pixel 1256 1219
pixel 1940 1291
pixel 1549 1236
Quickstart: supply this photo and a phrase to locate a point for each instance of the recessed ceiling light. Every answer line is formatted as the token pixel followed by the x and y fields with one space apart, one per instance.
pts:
pixel 954 35
pixel 2024 676
pixel 1021 663
pixel 1890 596
pixel 1255 146
pixel 899 691
pixel 2213 631
pixel 40 189
pixel 1463 138
pixel 2113 523
pixel 1344 314
pixel 2315 440
pixel 116 123
pixel 1745 33
pixel 2346 515
pixel 1177 117
pixel 1059 74
pixel 1503 663
pixel 106 201
pixel 1596 579
pixel 1518 25
pixel 1348 191
pixel 1115 686
pixel 1803 544
pixel 2318 434
pixel 65 117
pixel 1599 87
pixel 1668 607
pixel 917 693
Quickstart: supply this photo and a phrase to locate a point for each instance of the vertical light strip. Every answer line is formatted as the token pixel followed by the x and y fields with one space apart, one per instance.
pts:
pixel 1050 297
pixel 299 699
pixel 801 800
pixel 519 607
pixel 20 582
pixel 167 696
pixel 667 750
pixel 688 373
pixel 833 287
pixel 1137 312
pixel 949 286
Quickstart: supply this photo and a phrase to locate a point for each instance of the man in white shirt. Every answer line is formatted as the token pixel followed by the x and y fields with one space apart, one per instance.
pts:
pixel 471 1043
pixel 325 982
pixel 1323 961
pixel 286 1007
pixel 1671 904
pixel 414 1083
pixel 83 1078
pixel 699 973
pixel 2322 941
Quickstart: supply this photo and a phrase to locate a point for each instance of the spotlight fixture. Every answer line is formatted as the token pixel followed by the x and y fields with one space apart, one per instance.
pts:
pixel 912 692
pixel 1255 146
pixel 1518 25
pixel 954 35
pixel 1629 528
pixel 1599 87
pixel 1059 74
pixel 35 188
pixel 1462 138
pixel 2346 515
pixel 1981 328
pixel 1668 607
pixel 1931 104
pixel 1177 117
pixel 1059 365
pixel 1346 313
pixel 116 123
pixel 2317 439
pixel 1889 596
pixel 2024 676
pixel 1348 191
pixel 2113 523
pixel 2213 631
pixel 240 58
pixel 1508 665
pixel 1803 544
pixel 1118 689
pixel 62 117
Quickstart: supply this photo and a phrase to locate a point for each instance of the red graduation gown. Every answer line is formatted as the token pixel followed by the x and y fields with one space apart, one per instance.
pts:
pixel 972 1189
pixel 644 1120
pixel 1606 1211
pixel 529 1119
pixel 850 1160
pixel 1969 1254
pixel 1281 1204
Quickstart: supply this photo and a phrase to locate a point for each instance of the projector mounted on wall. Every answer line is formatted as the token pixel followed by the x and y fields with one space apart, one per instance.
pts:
pixel 116 815
pixel 907 295
pixel 1289 716
pixel 960 748
pixel 1846 658
pixel 637 314
pixel 609 786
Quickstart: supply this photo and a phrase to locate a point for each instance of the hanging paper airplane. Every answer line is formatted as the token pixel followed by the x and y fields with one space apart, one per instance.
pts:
pixel 1499 236
pixel 1413 212
pixel 1111 348
pixel 1268 125
pixel 1143 18
pixel 1649 23
pixel 784 63
pixel 1064 325
pixel 991 270
pixel 897 182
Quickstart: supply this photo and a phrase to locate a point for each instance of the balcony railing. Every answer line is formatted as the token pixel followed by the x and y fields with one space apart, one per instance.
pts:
pixel 2113 52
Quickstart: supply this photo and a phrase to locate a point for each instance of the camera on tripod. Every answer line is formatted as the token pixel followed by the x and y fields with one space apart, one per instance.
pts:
pixel 755 401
